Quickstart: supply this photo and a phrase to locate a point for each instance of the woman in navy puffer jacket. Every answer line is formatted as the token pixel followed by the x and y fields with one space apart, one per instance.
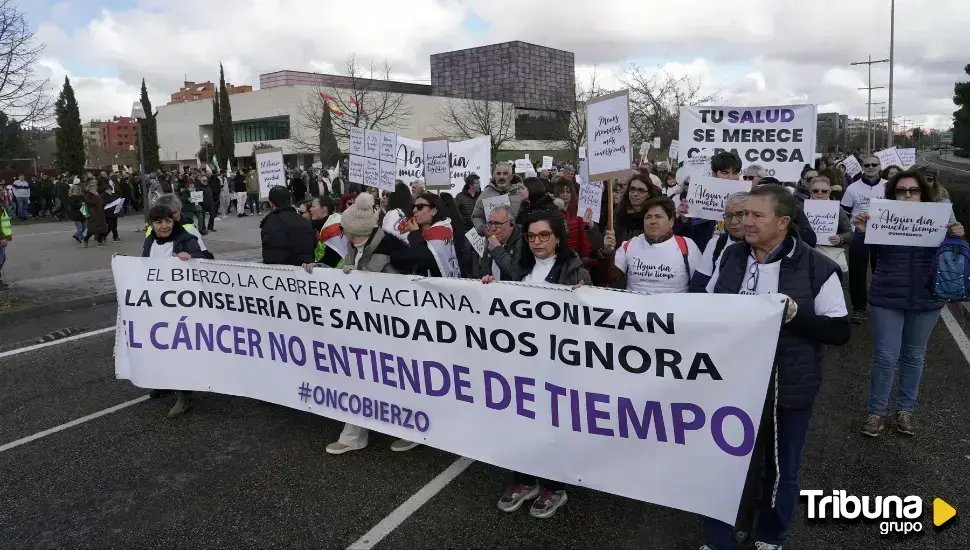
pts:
pixel 903 312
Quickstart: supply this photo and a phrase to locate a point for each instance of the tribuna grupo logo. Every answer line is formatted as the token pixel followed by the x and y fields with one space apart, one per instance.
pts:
pixel 895 514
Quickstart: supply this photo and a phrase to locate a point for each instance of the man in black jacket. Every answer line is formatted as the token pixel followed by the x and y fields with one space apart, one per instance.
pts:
pixel 215 190
pixel 773 259
pixel 288 238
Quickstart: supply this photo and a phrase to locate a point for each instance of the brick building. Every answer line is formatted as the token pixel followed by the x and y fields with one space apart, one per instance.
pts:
pixel 119 134
pixel 194 91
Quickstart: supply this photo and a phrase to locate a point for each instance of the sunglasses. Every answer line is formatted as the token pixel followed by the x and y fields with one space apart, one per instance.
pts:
pixel 871 165
pixel 749 178
pixel 820 191
pixel 907 191
pixel 419 207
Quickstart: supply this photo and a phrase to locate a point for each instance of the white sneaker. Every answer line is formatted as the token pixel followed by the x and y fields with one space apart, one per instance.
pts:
pixel 339 448
pixel 402 445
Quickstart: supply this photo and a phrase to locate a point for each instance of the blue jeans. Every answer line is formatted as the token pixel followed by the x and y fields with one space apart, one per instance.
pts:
pixel 79 228
pixel 899 335
pixel 22 204
pixel 772 522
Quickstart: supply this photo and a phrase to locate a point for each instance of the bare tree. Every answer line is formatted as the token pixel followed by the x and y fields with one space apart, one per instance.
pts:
pixel 470 118
pixel 655 102
pixel 24 95
pixel 572 132
pixel 361 97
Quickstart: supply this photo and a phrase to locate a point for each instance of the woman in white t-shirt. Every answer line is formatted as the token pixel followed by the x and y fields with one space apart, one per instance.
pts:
pixel 655 262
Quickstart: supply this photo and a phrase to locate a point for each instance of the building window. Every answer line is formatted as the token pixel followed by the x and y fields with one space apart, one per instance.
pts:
pixel 262 130
pixel 533 124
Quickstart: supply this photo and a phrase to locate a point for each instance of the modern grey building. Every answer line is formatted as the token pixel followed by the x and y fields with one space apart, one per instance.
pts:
pixel 539 81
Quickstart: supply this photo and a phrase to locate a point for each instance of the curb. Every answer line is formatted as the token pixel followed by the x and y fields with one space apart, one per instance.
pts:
pixel 36 310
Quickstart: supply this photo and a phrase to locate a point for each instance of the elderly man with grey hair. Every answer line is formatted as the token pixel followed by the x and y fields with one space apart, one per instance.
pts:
pixel 503 247
pixel 734 233
pixel 501 177
pixel 755 173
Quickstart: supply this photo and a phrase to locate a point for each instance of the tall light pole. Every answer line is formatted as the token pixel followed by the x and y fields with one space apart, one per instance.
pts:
pixel 869 103
pixel 138 112
pixel 892 43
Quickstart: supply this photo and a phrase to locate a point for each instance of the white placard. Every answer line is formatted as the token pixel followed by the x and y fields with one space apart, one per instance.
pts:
pixel 477 241
pixel 472 156
pixel 608 136
pixel 272 172
pixel 388 176
pixel 656 143
pixel 437 164
pixel 852 167
pixel 372 172
pixel 388 147
pixel 523 166
pixel 781 139
pixel 294 339
pixel 546 163
pixel 489 204
pixel 706 196
pixel 355 169
pixel 410 160
pixel 674 149
pixel 889 157
pixel 643 149
pixel 582 153
pixel 907 157
pixel 904 223
pixel 590 198
pixel 526 157
pixel 698 165
pixel 195 197
pixel 823 216
pixel 356 141
pixel 372 144
pixel 114 168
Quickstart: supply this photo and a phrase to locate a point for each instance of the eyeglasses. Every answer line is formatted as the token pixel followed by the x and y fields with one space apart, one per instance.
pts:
pixel 542 236
pixel 907 191
pixel 496 224
pixel 638 191
pixel 752 282
pixel 749 178
pixel 419 207
pixel 871 165
pixel 820 191
pixel 735 216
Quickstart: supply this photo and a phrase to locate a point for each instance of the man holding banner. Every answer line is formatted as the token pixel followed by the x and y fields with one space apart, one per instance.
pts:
pixel 774 260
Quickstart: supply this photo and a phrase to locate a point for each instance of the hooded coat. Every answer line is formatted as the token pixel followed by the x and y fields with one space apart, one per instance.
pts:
pixel 478 216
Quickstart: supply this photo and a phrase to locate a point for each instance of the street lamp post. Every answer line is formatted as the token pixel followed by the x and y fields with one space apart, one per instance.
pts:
pixel 892 37
pixel 138 112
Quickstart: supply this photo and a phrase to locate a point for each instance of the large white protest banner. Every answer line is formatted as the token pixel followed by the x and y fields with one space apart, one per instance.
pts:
pixel 591 199
pixel 410 160
pixel 907 157
pixel 823 216
pixel 437 164
pixel 472 156
pixel 889 157
pixel 907 223
pixel 607 390
pixel 271 171
pixel 706 196
pixel 781 139
pixel 852 167
pixel 608 136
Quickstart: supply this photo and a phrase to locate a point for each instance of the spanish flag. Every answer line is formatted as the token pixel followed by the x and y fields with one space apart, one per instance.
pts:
pixel 334 108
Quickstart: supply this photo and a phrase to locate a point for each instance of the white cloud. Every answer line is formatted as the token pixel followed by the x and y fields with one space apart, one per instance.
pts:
pixel 750 51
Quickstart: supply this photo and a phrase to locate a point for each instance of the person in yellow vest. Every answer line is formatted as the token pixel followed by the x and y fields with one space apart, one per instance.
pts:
pixel 6 235
pixel 172 201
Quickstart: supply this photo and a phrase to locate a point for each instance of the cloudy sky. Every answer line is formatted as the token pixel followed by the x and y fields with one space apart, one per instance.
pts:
pixel 753 52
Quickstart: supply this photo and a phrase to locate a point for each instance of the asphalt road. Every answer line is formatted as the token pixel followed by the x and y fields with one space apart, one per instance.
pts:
pixel 236 472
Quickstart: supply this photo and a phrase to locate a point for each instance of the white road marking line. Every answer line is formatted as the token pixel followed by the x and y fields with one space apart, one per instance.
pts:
pixel 71 424
pixel 62 232
pixel 961 337
pixel 411 505
pixel 27 349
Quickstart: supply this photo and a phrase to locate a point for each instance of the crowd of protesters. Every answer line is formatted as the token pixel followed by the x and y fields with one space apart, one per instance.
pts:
pixel 764 245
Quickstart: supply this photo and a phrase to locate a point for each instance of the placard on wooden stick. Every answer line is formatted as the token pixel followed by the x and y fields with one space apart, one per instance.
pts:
pixel 437 164
pixel 608 136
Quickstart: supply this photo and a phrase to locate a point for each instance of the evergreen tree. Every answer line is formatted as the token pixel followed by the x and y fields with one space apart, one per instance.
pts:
pixel 329 151
pixel 227 138
pixel 149 132
pixel 961 118
pixel 13 143
pixel 70 138
pixel 216 137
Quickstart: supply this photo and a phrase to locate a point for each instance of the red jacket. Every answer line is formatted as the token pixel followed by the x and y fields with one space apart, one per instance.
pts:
pixel 578 240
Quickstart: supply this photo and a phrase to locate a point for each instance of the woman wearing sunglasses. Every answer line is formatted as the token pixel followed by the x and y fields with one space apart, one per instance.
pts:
pixel 549 260
pixel 903 313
